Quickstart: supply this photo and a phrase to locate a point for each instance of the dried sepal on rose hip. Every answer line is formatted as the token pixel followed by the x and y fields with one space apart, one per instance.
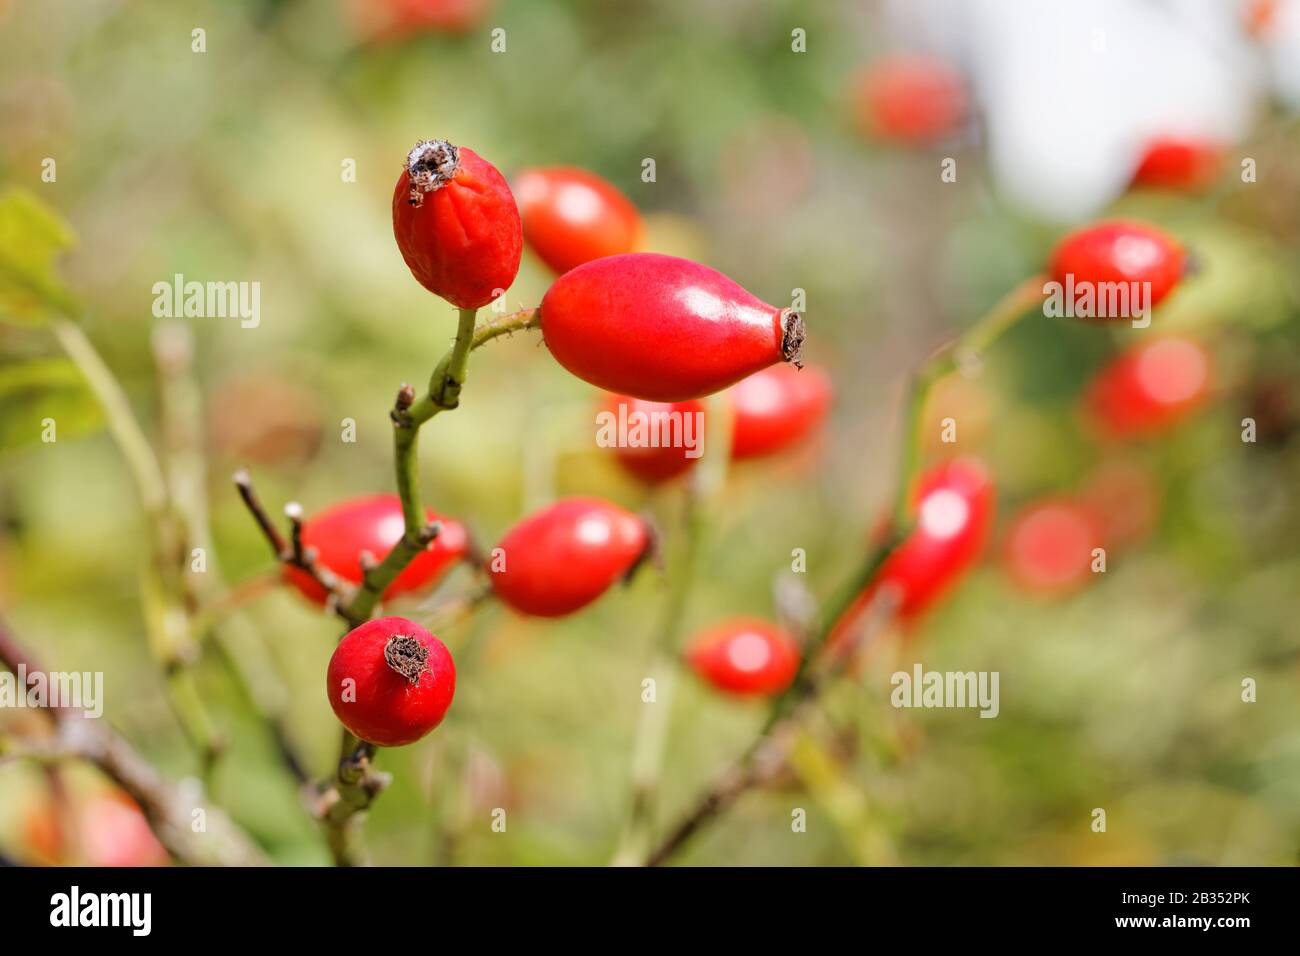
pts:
pixel 572 216
pixel 745 656
pixel 457 224
pixel 662 328
pixel 390 681
pixel 563 557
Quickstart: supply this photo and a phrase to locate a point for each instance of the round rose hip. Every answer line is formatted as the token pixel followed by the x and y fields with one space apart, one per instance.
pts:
pixel 911 98
pixel 657 447
pixel 390 681
pixel 374 523
pixel 745 656
pixel 456 224
pixel 1119 252
pixel 1049 546
pixel 662 328
pixel 566 555
pixel 1149 388
pixel 777 407
pixel 572 216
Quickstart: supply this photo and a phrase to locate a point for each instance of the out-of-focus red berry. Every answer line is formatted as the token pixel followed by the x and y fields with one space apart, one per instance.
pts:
pixel 572 216
pixel 1149 388
pixel 1119 252
pixel 910 98
pixel 776 407
pixel 954 512
pixel 664 439
pixel 745 656
pixel 1184 165
pixel 108 828
pixel 374 524
pixel 400 19
pixel 1049 546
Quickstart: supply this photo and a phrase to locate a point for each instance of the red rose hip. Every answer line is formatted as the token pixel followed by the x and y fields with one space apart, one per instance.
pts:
pixel 374 524
pixel 745 656
pixel 1182 165
pixel 566 555
pixel 954 512
pixel 662 328
pixel 662 439
pixel 1049 546
pixel 572 216
pixel 1119 252
pixel 456 224
pixel 777 407
pixel 1149 388
pixel 390 681
pixel 912 99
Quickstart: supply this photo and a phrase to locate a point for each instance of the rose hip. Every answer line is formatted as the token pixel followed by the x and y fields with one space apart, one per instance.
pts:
pixel 566 555
pixel 1120 252
pixel 390 681
pixel 572 216
pixel 456 224
pixel 745 656
pixel 662 328
pixel 374 524
pixel 775 408
pixel 1149 388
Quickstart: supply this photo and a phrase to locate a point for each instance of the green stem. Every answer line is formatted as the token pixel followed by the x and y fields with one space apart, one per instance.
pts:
pixel 964 350
pixel 355 785
pixel 121 420
pixel 165 614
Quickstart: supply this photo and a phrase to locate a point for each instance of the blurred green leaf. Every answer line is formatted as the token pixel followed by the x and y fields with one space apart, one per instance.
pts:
pixel 33 391
pixel 31 236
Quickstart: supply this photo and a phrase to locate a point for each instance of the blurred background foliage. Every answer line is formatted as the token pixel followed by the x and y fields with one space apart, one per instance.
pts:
pixel 225 166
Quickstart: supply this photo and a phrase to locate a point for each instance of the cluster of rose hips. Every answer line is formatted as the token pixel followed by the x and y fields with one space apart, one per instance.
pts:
pixel 659 333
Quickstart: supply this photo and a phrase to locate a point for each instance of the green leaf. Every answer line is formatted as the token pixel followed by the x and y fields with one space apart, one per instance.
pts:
pixel 37 391
pixel 32 235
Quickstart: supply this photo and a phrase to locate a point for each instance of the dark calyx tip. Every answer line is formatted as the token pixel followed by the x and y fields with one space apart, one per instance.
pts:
pixel 431 164
pixel 792 336
pixel 406 656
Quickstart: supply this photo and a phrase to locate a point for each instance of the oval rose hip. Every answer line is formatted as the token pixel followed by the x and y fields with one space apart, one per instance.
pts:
pixel 1185 165
pixel 374 524
pixel 662 328
pixel 456 224
pixel 1119 252
pixel 1149 388
pixel 745 656
pixel 572 216
pixel 954 512
pixel 776 407
pixel 663 439
pixel 566 555
pixel 390 681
